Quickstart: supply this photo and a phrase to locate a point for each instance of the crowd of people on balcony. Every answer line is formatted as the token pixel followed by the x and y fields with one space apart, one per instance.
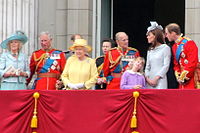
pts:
pixel 120 66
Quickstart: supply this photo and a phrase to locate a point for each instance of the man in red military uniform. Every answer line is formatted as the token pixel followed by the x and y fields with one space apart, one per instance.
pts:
pixel 117 59
pixel 105 45
pixel 47 63
pixel 185 54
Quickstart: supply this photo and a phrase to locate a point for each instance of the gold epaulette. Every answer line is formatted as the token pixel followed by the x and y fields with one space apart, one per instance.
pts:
pixel 100 68
pixel 181 38
pixel 112 62
pixel 112 48
pixel 187 38
pixel 36 51
pixel 133 49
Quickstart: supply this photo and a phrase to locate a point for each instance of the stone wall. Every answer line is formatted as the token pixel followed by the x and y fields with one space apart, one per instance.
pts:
pixel 192 20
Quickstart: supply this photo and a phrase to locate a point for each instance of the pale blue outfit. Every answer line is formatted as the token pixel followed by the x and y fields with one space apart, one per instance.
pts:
pixel 13 83
pixel 157 64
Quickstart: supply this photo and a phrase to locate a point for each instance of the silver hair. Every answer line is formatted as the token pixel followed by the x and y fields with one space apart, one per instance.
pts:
pixel 118 35
pixel 46 33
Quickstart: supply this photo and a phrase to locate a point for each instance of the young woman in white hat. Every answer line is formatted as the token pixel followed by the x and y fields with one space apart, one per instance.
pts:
pixel 158 58
pixel 14 67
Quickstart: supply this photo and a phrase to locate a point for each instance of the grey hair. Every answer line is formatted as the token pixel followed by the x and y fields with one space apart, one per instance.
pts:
pixel 118 35
pixel 46 33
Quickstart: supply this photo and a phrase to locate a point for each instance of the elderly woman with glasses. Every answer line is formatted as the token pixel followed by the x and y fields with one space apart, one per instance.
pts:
pixel 80 71
pixel 13 63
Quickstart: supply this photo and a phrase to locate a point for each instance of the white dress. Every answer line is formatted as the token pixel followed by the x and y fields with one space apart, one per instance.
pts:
pixel 158 61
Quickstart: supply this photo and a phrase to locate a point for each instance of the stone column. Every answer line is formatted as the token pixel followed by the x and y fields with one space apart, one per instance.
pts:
pixel 19 15
pixel 79 19
pixel 192 20
pixel 61 24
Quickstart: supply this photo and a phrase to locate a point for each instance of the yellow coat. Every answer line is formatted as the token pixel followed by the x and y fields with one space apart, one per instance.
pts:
pixel 77 71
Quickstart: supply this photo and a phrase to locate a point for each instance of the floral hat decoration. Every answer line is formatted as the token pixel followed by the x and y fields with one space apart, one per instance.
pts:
pixel 154 25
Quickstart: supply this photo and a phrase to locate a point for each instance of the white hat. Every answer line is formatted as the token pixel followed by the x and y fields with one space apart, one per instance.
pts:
pixel 154 25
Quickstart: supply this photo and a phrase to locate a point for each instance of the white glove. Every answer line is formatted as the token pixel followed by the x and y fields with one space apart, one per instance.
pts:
pixel 72 86
pixel 79 85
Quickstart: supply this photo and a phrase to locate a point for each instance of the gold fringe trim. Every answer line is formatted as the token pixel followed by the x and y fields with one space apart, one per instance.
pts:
pixel 135 132
pixel 112 62
pixel 40 59
pixel 183 75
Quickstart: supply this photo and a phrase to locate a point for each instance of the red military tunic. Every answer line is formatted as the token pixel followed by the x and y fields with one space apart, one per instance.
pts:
pixel 115 63
pixel 185 66
pixel 48 66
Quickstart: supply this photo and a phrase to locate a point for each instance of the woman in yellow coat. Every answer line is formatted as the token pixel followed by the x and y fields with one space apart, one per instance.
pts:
pixel 80 71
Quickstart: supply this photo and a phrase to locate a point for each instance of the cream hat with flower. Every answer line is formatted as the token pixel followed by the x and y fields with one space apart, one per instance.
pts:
pixel 80 43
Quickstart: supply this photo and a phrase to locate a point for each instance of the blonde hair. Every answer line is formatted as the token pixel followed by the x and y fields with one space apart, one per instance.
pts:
pixel 19 46
pixel 134 60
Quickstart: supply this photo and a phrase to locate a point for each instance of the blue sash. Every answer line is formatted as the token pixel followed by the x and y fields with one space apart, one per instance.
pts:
pixel 48 63
pixel 180 49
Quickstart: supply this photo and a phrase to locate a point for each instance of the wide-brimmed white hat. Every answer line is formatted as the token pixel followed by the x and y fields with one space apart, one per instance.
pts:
pixel 18 35
pixel 80 43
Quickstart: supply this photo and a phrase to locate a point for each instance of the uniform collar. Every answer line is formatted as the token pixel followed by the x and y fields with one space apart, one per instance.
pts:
pixel 121 49
pixel 132 72
pixel 47 50
pixel 179 38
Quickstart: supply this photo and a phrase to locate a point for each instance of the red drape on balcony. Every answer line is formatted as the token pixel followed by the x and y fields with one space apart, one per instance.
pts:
pixel 109 111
